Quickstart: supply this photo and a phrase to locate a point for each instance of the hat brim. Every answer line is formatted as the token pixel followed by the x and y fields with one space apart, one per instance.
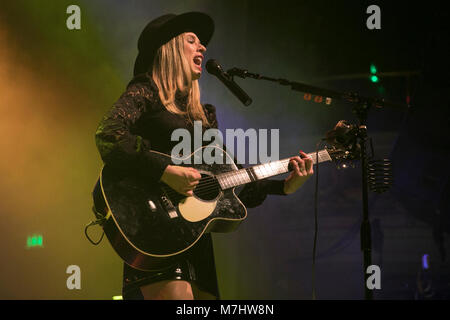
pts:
pixel 197 22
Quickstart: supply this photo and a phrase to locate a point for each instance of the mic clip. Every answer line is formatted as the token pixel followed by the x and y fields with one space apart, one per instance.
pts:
pixel 237 72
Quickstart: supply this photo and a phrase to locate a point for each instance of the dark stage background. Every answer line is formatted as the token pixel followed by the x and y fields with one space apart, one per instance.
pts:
pixel 56 84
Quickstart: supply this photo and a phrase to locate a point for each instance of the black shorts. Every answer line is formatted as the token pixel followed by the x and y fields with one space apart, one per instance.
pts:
pixel 196 265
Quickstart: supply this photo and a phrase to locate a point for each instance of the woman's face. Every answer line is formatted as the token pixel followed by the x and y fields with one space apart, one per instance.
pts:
pixel 193 51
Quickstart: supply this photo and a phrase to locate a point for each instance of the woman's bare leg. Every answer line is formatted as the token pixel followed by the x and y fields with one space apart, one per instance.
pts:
pixel 168 290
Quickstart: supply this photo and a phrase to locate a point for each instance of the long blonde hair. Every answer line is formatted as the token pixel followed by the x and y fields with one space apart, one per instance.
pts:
pixel 172 72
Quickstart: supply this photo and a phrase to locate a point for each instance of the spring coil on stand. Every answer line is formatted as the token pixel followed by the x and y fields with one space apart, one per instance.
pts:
pixel 379 175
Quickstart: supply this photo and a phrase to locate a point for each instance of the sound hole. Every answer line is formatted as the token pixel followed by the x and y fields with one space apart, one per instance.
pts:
pixel 208 188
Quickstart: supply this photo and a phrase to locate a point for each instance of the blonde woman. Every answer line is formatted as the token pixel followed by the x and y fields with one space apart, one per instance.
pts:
pixel 164 95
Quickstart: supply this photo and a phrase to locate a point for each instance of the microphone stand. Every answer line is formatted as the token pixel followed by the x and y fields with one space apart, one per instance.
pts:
pixel 361 106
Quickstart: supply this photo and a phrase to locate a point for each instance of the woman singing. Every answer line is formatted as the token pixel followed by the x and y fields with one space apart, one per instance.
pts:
pixel 164 95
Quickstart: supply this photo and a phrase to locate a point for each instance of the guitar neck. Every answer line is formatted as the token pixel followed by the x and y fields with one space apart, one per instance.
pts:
pixel 262 171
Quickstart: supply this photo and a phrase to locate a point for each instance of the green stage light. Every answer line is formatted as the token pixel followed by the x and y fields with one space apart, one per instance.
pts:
pixel 35 240
pixel 373 69
pixel 374 78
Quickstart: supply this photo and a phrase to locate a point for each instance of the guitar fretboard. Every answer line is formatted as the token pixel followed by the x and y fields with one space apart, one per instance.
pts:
pixel 262 171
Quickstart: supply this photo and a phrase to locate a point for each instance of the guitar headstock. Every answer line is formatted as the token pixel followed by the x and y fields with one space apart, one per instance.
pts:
pixel 344 146
pixel 339 154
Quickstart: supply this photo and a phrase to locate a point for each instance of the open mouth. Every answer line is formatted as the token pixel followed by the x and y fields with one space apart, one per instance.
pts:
pixel 198 60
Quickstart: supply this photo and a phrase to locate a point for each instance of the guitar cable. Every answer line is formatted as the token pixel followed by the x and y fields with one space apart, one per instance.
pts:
pixel 100 220
pixel 315 222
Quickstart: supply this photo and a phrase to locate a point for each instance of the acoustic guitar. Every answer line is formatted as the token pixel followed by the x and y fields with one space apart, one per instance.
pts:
pixel 148 225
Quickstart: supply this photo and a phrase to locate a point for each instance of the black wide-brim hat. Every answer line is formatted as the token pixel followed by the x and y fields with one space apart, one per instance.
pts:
pixel 161 30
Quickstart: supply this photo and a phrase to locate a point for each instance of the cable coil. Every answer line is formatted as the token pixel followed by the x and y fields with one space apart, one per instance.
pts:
pixel 379 175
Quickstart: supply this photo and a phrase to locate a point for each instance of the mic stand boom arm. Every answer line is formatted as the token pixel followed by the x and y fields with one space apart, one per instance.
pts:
pixel 301 87
pixel 361 106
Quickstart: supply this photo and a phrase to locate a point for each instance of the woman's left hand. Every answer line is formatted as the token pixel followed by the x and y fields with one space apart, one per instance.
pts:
pixel 303 169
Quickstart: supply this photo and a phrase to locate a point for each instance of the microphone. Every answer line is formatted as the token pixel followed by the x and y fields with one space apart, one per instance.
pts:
pixel 214 68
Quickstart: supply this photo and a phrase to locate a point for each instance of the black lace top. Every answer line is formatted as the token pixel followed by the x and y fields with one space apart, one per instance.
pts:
pixel 139 122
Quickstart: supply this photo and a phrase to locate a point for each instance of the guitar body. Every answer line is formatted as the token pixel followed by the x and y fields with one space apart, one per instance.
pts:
pixel 149 225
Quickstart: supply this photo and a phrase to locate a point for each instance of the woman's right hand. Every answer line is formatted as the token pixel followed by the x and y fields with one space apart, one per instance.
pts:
pixel 181 179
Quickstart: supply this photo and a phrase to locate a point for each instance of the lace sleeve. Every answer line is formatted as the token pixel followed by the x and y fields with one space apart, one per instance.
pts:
pixel 122 149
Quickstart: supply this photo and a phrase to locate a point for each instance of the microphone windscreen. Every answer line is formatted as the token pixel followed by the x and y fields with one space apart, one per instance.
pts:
pixel 212 66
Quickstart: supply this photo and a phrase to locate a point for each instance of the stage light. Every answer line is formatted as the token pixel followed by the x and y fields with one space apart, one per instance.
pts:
pixel 373 69
pixel 373 73
pixel 117 298
pixel 35 240
pixel 425 264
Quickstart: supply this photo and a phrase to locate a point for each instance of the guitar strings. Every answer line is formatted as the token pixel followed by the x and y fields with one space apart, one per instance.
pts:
pixel 209 185
pixel 202 191
pixel 175 196
pixel 205 188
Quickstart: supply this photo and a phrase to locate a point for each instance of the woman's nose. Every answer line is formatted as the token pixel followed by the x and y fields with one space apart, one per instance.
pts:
pixel 202 48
